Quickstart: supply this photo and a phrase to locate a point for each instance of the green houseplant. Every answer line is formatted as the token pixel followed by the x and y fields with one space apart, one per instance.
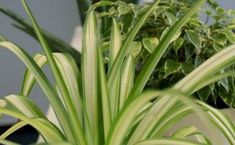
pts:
pixel 196 42
pixel 97 106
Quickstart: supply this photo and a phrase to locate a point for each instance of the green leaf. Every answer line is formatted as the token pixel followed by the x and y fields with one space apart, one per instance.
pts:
pixel 56 143
pixel 127 115
pixel 115 42
pixel 220 39
pixel 178 44
pixel 43 82
pixel 217 47
pixel 48 130
pixel 222 122
pixel 191 131
pixel 29 79
pixel 127 79
pixel 211 66
pixel 23 105
pixel 213 79
pixel 195 39
pixel 73 117
pixel 114 86
pixel 103 87
pixel 186 67
pixel 153 60
pixel 164 33
pixel 170 67
pixel 137 47
pixel 204 93
pixel 171 18
pixel 150 44
pixel 90 47
pixel 224 82
pixel 174 115
pixel 168 142
pixel 123 8
pixel 228 33
pixel 125 49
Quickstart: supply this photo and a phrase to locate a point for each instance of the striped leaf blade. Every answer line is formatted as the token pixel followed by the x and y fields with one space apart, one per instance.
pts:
pixel 75 127
pixel 89 74
pixel 128 41
pixel 127 79
pixel 23 105
pixel 153 60
pixel 104 94
pixel 190 131
pixel 168 142
pixel 48 130
pixel 114 85
pixel 42 80
pixel 29 79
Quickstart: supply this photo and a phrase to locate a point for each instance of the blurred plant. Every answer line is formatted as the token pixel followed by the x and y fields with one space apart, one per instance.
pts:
pixel 196 42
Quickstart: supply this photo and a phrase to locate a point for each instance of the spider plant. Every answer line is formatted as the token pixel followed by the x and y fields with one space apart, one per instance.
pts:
pixel 106 104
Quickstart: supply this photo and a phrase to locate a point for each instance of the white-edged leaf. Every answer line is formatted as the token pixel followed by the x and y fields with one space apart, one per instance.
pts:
pixel 221 121
pixel 168 142
pixel 29 79
pixel 126 47
pixel 114 86
pixel 115 42
pixel 71 76
pixel 137 47
pixel 150 43
pixel 89 74
pixel 106 109
pixel 195 39
pixel 190 131
pixel 171 18
pixel 170 67
pixel 127 79
pixel 47 130
pixel 154 58
pixel 23 105
pixel 77 135
pixel 42 80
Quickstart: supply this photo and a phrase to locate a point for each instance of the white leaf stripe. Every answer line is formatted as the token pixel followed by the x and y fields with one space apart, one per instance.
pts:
pixel 43 82
pixel 73 119
pixel 24 105
pixel 29 79
pixel 89 74
pixel 127 79
pixel 114 86
pixel 168 142
pixel 49 131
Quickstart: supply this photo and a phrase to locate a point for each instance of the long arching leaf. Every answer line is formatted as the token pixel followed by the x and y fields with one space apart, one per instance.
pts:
pixel 168 142
pixel 42 80
pixel 77 135
pixel 48 130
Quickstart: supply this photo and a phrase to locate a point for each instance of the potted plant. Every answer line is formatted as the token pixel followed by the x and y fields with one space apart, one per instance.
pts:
pixel 107 104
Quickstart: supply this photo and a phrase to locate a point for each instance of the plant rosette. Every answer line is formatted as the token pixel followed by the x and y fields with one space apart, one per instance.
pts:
pixel 102 101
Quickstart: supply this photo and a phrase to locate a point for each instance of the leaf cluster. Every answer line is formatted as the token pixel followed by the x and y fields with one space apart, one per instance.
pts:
pixel 206 33
pixel 106 103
